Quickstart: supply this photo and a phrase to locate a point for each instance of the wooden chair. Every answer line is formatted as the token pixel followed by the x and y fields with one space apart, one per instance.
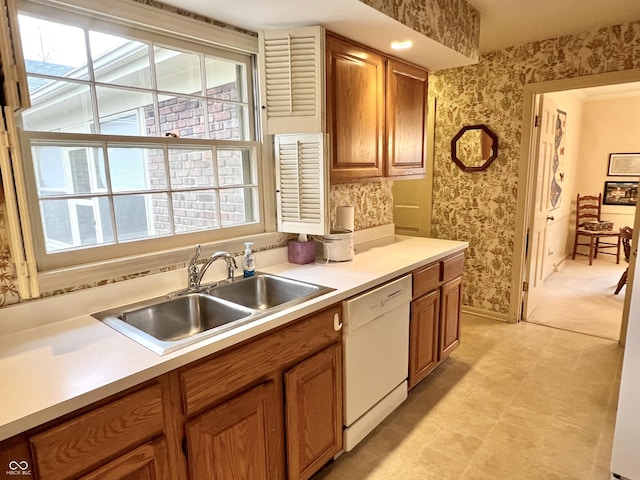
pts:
pixel 626 233
pixel 588 209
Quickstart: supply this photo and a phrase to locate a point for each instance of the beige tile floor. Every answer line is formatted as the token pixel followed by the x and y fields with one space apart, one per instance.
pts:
pixel 514 401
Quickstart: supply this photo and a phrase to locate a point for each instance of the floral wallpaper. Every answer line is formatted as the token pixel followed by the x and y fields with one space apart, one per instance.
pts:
pixel 480 207
pixel 8 290
pixel 372 202
pixel 453 23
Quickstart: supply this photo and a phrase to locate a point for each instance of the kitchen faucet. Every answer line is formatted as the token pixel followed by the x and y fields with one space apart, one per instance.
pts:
pixel 195 274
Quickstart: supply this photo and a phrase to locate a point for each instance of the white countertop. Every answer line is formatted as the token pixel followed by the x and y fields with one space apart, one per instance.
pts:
pixel 51 365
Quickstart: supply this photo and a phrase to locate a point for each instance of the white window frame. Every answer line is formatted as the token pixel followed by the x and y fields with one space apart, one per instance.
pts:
pixel 152 20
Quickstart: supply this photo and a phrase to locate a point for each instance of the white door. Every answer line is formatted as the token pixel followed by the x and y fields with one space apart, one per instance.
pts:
pixel 541 216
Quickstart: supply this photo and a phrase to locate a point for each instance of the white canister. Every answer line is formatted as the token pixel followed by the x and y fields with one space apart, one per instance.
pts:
pixel 338 246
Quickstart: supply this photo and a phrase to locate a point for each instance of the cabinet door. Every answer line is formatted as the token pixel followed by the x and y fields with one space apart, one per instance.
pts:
pixel 355 110
pixel 313 392
pixel 406 120
pixel 147 462
pixel 451 294
pixel 239 439
pixel 423 336
pixel 292 80
pixel 90 439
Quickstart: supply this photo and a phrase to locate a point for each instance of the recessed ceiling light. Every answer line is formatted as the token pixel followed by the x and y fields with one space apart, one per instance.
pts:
pixel 401 45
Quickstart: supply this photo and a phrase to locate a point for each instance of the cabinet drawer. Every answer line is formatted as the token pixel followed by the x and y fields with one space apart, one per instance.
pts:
pixel 214 379
pixel 88 440
pixel 452 267
pixel 426 279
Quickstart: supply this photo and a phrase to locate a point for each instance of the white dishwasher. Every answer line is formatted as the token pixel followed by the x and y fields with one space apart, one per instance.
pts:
pixel 376 356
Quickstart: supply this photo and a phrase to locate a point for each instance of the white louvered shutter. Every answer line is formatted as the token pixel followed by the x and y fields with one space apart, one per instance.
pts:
pixel 301 184
pixel 292 72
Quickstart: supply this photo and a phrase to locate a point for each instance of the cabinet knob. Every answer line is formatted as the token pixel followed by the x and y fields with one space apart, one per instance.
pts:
pixel 337 324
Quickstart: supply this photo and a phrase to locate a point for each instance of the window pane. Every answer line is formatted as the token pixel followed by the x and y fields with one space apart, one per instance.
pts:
pixel 136 107
pixel 120 61
pixel 181 116
pixel 194 211
pixel 68 170
pixel 238 206
pixel 136 168
pixel 234 166
pixel 135 216
pixel 60 107
pixel 178 72
pixel 53 48
pixel 191 168
pixel 74 223
pixel 227 121
pixel 225 79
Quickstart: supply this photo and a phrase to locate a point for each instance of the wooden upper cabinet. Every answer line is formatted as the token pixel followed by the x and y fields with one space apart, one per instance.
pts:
pixel 406 119
pixel 355 111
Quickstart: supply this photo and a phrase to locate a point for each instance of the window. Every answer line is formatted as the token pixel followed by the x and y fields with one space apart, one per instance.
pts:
pixel 134 141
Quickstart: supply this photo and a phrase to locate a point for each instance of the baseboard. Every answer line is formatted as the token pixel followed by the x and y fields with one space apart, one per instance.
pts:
pixel 559 265
pixel 480 313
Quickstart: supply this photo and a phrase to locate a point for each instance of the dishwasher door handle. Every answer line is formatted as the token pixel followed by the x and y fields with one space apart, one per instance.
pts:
pixel 337 324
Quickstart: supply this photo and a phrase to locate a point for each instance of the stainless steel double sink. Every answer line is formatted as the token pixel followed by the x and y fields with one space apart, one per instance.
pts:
pixel 165 324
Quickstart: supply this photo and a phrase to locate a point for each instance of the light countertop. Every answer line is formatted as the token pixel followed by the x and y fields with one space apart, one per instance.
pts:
pixel 55 364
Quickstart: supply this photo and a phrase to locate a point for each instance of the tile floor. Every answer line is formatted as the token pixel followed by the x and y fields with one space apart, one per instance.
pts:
pixel 514 401
pixel 579 297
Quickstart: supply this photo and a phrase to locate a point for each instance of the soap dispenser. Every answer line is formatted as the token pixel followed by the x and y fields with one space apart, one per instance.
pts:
pixel 248 261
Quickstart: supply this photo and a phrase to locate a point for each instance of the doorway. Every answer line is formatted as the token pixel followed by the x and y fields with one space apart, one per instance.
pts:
pixel 567 282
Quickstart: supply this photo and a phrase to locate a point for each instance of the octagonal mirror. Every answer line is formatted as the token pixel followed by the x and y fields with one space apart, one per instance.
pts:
pixel 474 147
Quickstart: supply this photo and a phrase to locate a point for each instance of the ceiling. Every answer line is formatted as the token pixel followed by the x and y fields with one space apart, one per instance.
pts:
pixel 503 23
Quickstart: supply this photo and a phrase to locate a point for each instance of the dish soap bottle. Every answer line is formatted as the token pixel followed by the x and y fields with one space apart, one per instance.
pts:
pixel 248 261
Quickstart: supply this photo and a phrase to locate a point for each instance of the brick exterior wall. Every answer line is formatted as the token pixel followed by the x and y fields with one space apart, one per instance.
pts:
pixel 194 168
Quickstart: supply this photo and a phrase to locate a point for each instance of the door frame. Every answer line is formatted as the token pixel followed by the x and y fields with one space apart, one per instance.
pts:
pixel 526 172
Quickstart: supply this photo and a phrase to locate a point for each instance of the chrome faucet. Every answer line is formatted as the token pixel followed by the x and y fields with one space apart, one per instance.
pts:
pixel 195 274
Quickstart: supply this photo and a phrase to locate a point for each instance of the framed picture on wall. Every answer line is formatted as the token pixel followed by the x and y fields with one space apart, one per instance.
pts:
pixel 620 193
pixel 624 164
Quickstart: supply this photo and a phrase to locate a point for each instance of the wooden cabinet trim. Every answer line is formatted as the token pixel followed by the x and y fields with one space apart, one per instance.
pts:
pixel 211 381
pixel 94 437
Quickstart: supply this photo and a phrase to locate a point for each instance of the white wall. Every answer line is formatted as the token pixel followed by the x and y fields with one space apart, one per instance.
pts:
pixel 608 126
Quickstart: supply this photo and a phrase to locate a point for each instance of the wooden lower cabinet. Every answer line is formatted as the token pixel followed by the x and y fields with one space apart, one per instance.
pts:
pixel 220 418
pixel 313 393
pixel 423 335
pixel 239 439
pixel 451 294
pixel 110 431
pixel 147 462
pixel 434 330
